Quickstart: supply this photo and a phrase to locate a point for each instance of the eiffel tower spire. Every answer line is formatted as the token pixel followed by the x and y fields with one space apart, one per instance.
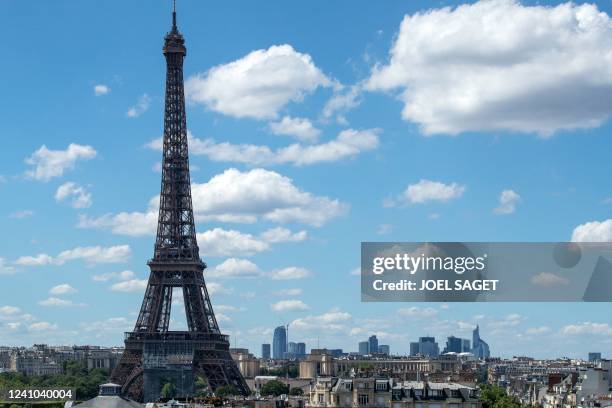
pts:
pixel 176 263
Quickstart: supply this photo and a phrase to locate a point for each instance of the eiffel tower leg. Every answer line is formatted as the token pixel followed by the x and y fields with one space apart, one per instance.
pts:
pixel 128 374
pixel 219 369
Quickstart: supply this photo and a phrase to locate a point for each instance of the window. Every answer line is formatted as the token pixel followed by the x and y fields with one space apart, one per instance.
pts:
pixel 363 399
pixel 321 398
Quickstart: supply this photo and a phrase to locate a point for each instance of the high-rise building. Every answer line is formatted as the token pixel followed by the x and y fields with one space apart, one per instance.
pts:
pixel 594 357
pixel 279 342
pixel 457 345
pixel 480 348
pixel 364 348
pixel 373 344
pixel 301 350
pixel 384 349
pixel 265 351
pixel 426 346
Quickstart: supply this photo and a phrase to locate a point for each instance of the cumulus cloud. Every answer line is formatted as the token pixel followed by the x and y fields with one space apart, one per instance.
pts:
pixel 257 85
pixel 348 143
pixel 291 272
pixel 42 326
pixel 234 196
pixel 289 306
pixel 57 302
pixel 343 100
pixel 75 195
pixel 334 320
pixel 594 231
pixel 500 65
pixel 112 324
pixel 141 107
pixel 300 128
pixel 418 312
pixel 101 89
pixel 508 199
pixel 6 268
pixel 220 242
pixel 547 279
pixel 215 288
pixel 425 191
pixel 235 268
pixel 132 285
pixel 539 330
pixel 90 255
pixel 48 164
pixel 280 234
pixel 121 276
pixel 62 289
pixel 588 328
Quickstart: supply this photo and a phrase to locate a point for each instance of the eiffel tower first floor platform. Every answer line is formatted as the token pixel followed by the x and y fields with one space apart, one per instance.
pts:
pixel 152 359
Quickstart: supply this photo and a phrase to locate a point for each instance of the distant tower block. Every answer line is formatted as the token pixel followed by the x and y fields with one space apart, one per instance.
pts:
pixel 153 354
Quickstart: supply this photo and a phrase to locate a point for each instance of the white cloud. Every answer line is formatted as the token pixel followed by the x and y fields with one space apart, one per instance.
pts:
pixel 90 255
pixel 334 320
pixel 419 312
pixel 234 196
pixel 132 285
pixel 342 101
pixel 257 85
pixel 229 308
pixel 112 324
pixel 215 288
pixel 508 199
pixel 594 231
pixel 57 302
pixel 279 234
pixel 539 330
pixel 300 128
pixel 291 272
pixel 42 326
pixel 427 190
pixel 289 306
pixel 220 242
pixel 384 229
pixel 258 193
pixel 5 268
pixel 53 163
pixel 21 214
pixel 348 143
pixel 234 268
pixel 141 107
pixel 121 276
pixel 62 289
pixel 288 292
pixel 588 328
pixel 500 65
pixel 547 279
pixel 101 89
pixel 77 196
pixel 133 224
pixel 9 310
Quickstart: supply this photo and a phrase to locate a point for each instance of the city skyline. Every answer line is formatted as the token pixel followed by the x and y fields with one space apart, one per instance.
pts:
pixel 286 188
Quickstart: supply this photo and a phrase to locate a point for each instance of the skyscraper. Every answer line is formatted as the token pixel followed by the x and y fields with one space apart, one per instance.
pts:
pixel 480 348
pixel 265 351
pixel 279 342
pixel 384 349
pixel 373 344
pixel 457 345
pixel 426 346
pixel 301 350
pixel 364 348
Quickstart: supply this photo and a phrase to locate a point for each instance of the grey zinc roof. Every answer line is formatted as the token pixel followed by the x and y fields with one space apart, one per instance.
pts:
pixel 109 401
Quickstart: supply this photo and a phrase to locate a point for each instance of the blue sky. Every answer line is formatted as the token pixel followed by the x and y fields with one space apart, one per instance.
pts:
pixel 315 126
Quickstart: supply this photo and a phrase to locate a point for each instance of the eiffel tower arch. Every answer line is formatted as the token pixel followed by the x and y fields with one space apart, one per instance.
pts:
pixel 154 354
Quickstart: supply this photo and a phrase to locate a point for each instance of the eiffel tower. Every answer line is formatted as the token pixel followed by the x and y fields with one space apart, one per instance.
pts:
pixel 153 354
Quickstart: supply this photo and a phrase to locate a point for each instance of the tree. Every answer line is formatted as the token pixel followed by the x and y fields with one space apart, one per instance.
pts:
pixel 493 396
pixel 226 390
pixel 275 388
pixel 296 391
pixel 168 390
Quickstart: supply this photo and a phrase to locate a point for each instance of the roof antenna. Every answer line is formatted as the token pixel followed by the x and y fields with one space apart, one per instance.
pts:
pixel 174 15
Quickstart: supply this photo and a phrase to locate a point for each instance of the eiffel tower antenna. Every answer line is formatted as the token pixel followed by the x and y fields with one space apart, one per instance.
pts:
pixel 153 353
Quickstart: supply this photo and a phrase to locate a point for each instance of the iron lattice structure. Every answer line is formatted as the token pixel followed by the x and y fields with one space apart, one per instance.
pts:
pixel 176 261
